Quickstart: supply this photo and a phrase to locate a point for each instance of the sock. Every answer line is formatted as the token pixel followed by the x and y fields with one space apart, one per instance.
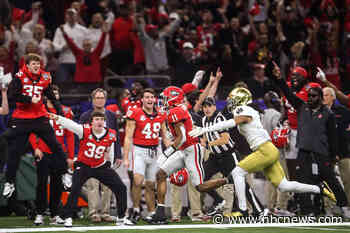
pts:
pixel 293 186
pixel 238 175
pixel 137 210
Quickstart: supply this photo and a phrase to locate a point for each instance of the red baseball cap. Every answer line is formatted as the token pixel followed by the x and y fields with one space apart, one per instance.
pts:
pixel 300 70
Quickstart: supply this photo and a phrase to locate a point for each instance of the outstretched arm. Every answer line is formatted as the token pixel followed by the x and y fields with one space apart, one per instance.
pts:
pixel 68 124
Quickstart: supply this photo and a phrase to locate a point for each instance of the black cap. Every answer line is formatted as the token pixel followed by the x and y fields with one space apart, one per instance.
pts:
pixel 209 101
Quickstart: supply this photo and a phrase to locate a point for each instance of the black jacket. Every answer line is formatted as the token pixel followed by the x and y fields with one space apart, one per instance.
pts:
pixel 342 118
pixel 316 130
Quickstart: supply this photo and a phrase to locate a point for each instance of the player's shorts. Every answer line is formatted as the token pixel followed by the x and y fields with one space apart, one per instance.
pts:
pixel 292 151
pixel 191 158
pixel 145 162
pixel 265 159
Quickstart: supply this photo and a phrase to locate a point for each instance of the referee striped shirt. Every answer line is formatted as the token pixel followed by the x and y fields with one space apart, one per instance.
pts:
pixel 212 136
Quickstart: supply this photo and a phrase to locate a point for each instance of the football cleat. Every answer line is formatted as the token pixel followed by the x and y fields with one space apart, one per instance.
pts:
pixel 9 188
pixel 327 191
pixel 39 220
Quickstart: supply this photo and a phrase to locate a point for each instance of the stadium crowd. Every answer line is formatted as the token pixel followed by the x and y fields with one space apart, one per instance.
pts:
pixel 287 116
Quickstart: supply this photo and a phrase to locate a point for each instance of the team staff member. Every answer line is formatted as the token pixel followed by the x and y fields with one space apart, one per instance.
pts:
pixel 317 141
pixel 342 118
pixel 29 86
pixel 99 98
pixel 223 157
pixel 46 165
pixel 143 128
pixel 95 146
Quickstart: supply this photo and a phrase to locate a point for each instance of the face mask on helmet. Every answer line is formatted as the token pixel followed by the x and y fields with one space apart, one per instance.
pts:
pixel 172 96
pixel 238 97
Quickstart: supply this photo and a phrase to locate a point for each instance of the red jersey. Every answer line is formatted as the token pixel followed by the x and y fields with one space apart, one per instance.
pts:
pixel 291 112
pixel 207 34
pixel 32 86
pixel 181 114
pixel 62 135
pixel 147 127
pixel 92 150
pixel 129 103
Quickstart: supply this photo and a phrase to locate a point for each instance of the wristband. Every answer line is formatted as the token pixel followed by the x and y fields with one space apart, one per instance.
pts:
pixel 169 151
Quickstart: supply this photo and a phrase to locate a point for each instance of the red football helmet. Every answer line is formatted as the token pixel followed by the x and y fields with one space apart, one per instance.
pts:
pixel 173 96
pixel 180 177
pixel 280 136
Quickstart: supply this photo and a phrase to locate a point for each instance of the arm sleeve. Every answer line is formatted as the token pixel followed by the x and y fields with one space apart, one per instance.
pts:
pixel 101 44
pixel 71 44
pixel 117 148
pixel 48 92
pixel 72 126
pixel 332 136
pixel 16 90
pixel 295 101
pixel 33 139
pixel 58 41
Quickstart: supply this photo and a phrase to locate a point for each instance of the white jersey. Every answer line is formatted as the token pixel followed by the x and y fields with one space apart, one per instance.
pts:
pixel 253 131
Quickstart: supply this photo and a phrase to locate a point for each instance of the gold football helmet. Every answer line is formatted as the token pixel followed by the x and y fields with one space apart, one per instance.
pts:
pixel 238 97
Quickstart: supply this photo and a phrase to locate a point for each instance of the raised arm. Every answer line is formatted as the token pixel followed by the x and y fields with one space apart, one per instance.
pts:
pixel 4 109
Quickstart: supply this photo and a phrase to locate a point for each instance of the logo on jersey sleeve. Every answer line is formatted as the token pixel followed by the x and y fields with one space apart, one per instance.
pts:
pixel 239 110
pixel 142 118
pixel 129 113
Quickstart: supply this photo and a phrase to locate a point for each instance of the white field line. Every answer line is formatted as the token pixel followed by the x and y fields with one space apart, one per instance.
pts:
pixel 158 227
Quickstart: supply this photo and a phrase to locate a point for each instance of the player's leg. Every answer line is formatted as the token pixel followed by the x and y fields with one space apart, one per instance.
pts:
pixel 139 174
pixel 56 189
pixel 15 137
pixel 194 164
pixel 150 177
pixel 112 180
pixel 211 167
pixel 81 174
pixel 256 161
pixel 41 188
pixel 172 164
pixel 45 131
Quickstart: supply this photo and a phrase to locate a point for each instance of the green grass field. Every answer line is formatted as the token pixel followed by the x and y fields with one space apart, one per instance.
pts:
pixel 21 224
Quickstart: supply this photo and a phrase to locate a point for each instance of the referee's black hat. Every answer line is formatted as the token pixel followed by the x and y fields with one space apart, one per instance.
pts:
pixel 209 101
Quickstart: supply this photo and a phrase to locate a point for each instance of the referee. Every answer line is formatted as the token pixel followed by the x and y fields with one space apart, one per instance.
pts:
pixel 223 156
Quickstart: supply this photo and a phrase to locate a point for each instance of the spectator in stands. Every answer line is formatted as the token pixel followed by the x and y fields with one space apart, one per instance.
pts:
pixel 88 63
pixel 45 45
pixel 7 57
pixel 77 33
pixel 154 44
pixel 259 84
pixel 185 65
pixel 123 42
pixel 99 98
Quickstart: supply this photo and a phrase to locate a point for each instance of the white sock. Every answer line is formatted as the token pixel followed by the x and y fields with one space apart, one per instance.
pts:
pixel 137 210
pixel 238 175
pixel 297 187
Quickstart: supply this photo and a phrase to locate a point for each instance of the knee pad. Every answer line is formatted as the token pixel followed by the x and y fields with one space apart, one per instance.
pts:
pixel 238 171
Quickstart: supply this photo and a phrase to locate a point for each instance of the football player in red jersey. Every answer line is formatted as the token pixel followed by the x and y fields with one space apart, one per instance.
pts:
pixel 46 163
pixel 184 152
pixel 131 102
pixel 143 127
pixel 95 145
pixel 29 86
